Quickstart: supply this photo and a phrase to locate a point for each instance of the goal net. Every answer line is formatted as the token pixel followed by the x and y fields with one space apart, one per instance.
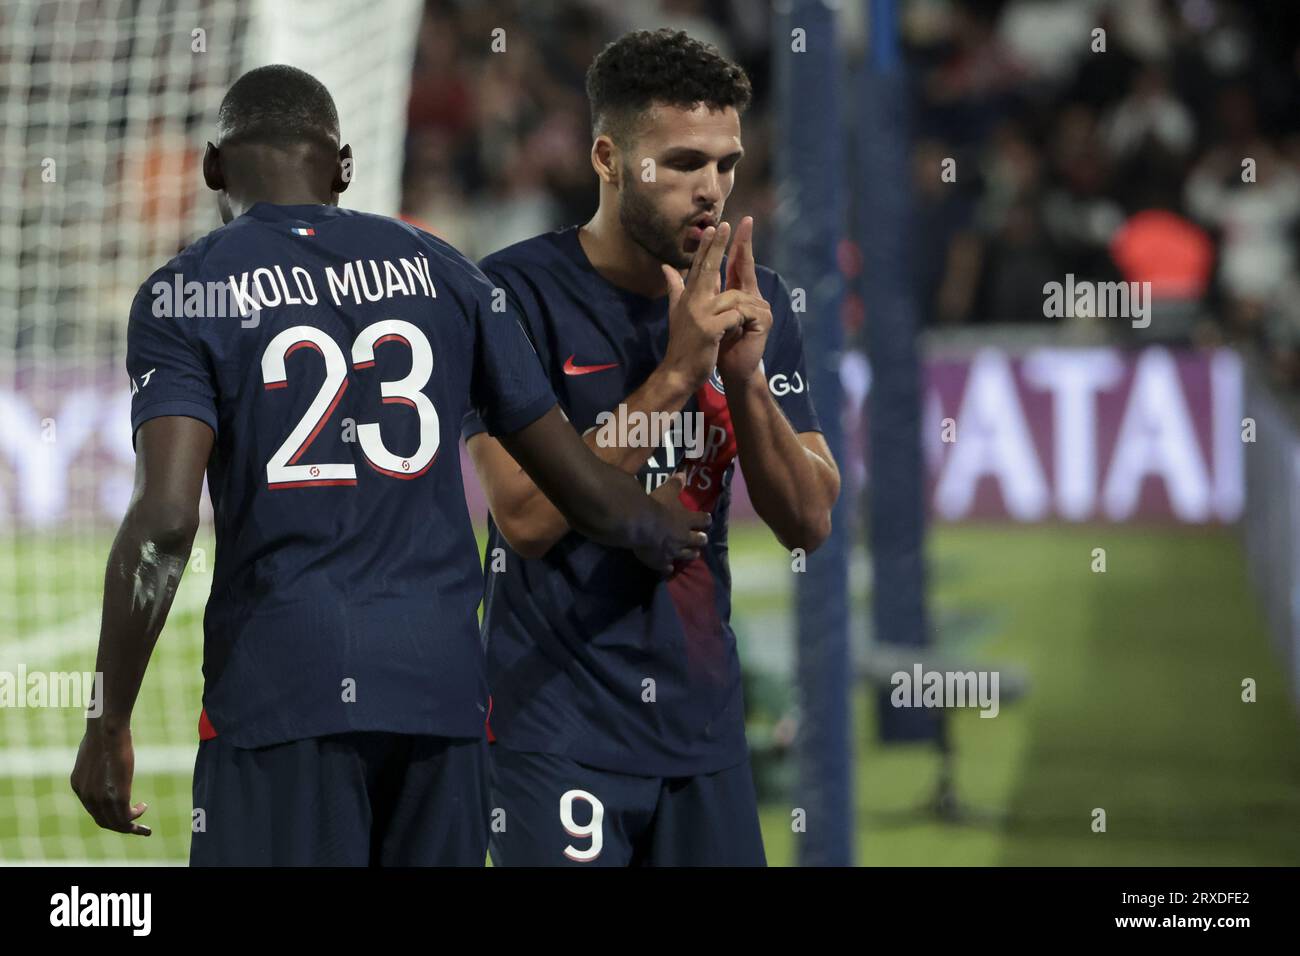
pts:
pixel 105 106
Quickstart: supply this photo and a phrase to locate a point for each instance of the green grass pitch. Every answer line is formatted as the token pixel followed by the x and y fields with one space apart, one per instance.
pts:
pixel 1135 705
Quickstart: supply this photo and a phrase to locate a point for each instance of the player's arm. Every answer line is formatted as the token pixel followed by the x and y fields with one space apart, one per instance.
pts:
pixel 510 394
pixel 525 515
pixel 791 478
pixel 698 319
pixel 144 568
pixel 602 502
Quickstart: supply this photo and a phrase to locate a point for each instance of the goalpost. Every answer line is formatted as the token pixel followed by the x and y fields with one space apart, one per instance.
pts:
pixel 105 106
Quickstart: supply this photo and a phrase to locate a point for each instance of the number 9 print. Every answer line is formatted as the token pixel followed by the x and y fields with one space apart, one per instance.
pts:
pixel 582 831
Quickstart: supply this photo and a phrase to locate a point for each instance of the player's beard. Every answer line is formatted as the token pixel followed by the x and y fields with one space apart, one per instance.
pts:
pixel 647 227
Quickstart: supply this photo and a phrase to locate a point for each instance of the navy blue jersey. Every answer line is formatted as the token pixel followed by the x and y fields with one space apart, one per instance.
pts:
pixel 573 638
pixel 334 354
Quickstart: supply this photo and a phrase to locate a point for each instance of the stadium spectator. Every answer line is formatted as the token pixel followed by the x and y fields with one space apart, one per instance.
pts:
pixel 1115 162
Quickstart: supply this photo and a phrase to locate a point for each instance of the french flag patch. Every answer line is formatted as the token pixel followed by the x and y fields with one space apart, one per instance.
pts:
pixel 303 232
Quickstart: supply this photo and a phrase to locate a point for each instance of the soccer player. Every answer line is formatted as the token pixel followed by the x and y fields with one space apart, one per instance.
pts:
pixel 344 697
pixel 616 695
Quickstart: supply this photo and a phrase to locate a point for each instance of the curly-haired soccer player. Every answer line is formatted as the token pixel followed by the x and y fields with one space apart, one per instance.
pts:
pixel 616 708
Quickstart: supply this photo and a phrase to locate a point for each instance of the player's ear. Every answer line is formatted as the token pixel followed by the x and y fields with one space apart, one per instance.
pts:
pixel 604 159
pixel 343 173
pixel 212 174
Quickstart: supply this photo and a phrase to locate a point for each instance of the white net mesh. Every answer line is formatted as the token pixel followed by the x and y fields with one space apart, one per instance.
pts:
pixel 104 109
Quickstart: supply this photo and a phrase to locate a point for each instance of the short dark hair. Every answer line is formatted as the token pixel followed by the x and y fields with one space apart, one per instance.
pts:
pixel 661 66
pixel 278 105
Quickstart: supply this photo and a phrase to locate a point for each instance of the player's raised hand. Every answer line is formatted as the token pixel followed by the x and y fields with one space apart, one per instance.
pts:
pixel 683 530
pixel 102 779
pixel 698 316
pixel 739 355
pixel 740 265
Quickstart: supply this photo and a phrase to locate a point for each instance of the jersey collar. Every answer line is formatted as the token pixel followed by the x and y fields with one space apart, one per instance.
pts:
pixel 306 212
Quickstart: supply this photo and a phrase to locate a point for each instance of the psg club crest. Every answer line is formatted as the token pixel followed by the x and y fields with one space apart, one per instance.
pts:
pixel 716 381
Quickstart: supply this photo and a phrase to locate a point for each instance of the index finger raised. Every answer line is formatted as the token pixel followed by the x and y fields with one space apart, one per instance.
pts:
pixel 710 276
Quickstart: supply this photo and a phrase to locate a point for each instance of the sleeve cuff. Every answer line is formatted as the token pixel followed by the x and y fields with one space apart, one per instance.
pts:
pixel 802 422
pixel 181 407
pixel 470 426
pixel 525 415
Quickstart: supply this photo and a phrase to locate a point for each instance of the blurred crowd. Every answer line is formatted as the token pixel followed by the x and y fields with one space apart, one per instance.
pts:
pixel 499 139
pixel 1137 140
pixel 1144 141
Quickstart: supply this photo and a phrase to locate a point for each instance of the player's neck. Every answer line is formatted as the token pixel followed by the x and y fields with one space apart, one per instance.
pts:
pixel 278 194
pixel 618 259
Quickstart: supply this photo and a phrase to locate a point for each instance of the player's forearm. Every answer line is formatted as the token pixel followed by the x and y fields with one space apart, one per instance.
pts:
pixel 532 524
pixel 595 498
pixel 144 568
pixel 792 488
pixel 610 507
pixel 664 392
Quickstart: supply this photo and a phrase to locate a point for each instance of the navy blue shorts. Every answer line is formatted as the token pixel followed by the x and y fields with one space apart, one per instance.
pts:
pixel 552 811
pixel 354 799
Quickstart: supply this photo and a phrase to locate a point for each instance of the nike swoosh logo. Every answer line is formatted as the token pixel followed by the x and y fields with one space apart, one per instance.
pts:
pixel 571 369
